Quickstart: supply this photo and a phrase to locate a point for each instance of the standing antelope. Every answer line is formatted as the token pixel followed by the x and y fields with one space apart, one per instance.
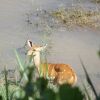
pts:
pixel 60 73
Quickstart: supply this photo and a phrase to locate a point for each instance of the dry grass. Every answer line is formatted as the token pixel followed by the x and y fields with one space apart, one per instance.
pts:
pixel 96 1
pixel 78 16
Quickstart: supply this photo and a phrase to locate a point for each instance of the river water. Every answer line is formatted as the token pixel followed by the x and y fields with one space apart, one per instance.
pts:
pixel 65 45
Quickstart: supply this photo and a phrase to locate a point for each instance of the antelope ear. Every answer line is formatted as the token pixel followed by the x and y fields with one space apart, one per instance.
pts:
pixel 30 44
pixel 43 47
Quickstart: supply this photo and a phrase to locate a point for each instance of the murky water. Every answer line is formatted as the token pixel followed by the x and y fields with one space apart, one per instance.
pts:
pixel 66 45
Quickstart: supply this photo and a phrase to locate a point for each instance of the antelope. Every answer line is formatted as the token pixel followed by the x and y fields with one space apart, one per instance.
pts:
pixel 59 73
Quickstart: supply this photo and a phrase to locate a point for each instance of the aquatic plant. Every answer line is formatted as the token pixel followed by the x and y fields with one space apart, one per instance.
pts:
pixel 77 16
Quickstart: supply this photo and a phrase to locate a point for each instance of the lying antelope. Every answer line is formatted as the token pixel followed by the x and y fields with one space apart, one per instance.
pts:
pixel 60 73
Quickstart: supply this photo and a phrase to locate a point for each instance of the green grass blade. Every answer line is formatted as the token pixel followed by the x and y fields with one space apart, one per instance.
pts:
pixel 88 79
pixel 46 67
pixel 89 98
pixel 21 66
pixel 6 84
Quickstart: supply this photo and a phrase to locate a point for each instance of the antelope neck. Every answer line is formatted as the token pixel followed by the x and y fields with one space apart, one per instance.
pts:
pixel 37 60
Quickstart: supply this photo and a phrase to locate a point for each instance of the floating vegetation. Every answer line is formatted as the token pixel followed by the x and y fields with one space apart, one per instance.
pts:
pixel 78 16
pixel 96 1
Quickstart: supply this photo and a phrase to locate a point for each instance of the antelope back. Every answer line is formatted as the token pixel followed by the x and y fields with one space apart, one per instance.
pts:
pixel 60 73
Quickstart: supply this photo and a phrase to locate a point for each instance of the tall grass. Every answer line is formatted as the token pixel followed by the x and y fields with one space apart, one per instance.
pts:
pixel 6 88
pixel 39 89
pixel 90 83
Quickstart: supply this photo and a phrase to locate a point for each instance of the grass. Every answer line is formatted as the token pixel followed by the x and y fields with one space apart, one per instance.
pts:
pixel 78 16
pixel 42 89
pixel 89 82
pixel 6 88
pixel 11 89
pixel 39 89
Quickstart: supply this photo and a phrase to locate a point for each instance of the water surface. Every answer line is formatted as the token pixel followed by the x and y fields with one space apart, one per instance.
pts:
pixel 66 45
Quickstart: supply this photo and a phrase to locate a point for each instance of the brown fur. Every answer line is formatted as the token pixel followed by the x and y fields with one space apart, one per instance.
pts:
pixel 61 73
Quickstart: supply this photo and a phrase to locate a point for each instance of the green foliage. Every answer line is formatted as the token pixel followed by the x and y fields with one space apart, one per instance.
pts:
pixel 69 93
pixel 37 88
pixel 99 53
pixel 3 89
pixel 1 98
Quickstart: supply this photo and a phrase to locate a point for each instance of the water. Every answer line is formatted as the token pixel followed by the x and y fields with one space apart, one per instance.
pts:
pixel 65 45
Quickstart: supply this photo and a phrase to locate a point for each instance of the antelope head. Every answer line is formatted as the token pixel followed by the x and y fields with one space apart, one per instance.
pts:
pixel 33 48
pixel 34 51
